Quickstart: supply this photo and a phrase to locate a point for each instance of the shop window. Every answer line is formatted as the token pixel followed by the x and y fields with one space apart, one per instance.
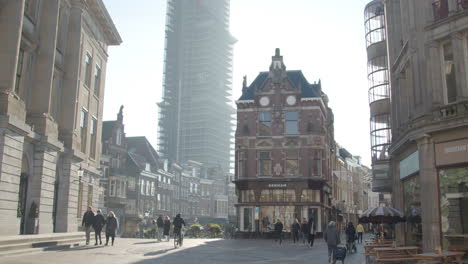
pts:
pixel 449 70
pixel 264 165
pixel 454 206
pixel 264 123
pixel 247 219
pixel 291 126
pixel 309 196
pixel 412 207
pixel 247 196
pixel 292 162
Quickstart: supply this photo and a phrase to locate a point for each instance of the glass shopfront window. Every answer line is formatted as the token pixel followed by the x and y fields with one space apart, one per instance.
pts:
pixel 247 196
pixel 412 206
pixel 270 214
pixel 310 196
pixel 454 206
pixel 278 195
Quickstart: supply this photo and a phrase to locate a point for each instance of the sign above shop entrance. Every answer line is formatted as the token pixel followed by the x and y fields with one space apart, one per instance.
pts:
pixel 277 185
pixel 409 165
pixel 453 152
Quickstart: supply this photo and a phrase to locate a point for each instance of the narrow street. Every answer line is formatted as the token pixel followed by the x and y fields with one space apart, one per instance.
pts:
pixel 207 251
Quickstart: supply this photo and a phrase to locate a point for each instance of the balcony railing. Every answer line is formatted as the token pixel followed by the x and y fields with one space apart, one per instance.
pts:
pixel 440 9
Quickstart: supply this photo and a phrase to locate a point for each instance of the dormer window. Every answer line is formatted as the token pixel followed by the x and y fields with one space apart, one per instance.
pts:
pixel 147 167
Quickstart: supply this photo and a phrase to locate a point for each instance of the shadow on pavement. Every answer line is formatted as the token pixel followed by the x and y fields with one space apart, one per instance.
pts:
pixel 159 252
pixel 148 242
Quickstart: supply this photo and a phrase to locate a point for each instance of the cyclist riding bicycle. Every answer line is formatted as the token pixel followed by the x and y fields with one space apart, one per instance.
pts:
pixel 178 222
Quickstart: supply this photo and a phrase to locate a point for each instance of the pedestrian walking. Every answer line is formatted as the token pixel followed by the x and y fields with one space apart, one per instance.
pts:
pixel 88 221
pixel 332 237
pixel 305 231
pixel 360 231
pixel 279 231
pixel 111 227
pixel 311 228
pixel 295 227
pixel 141 229
pixel 99 222
pixel 160 226
pixel 167 227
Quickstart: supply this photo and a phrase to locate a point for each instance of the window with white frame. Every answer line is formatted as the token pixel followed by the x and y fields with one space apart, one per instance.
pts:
pixel 153 189
pixel 142 186
pixel 148 188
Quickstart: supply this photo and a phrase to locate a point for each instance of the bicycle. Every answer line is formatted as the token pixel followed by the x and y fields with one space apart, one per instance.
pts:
pixel 178 239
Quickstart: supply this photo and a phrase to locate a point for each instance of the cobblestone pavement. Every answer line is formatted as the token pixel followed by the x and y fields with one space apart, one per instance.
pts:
pixel 206 251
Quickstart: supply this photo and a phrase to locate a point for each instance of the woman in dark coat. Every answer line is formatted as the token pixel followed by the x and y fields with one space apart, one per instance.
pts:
pixel 111 226
pixel 167 227
pixel 305 230
pixel 99 222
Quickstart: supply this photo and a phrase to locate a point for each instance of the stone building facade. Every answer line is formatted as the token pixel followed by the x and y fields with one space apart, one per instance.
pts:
pixel 53 58
pixel 427 54
pixel 284 141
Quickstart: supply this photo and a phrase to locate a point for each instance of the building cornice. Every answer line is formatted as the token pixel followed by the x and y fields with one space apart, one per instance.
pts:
pixel 98 9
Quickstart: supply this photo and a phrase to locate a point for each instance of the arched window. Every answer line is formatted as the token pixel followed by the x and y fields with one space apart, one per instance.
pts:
pixel 118 137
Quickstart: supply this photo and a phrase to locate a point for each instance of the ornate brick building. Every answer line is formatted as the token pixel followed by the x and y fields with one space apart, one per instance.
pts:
pixel 284 141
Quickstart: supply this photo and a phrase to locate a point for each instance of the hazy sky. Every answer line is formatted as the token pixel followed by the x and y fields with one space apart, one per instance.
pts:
pixel 324 39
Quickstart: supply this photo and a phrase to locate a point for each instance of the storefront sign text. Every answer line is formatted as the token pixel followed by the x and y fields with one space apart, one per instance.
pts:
pixel 452 152
pixel 277 185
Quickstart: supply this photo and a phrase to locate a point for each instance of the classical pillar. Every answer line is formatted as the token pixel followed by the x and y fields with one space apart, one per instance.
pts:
pixel 397 199
pixel 44 70
pixel 435 96
pixel 11 24
pixel 429 194
pixel 41 188
pixel 67 203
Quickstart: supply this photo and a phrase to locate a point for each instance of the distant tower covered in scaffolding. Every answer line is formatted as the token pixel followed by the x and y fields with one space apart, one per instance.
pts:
pixel 195 115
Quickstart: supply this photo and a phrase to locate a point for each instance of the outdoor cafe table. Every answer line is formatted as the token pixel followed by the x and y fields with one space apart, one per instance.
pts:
pixel 386 254
pixel 443 255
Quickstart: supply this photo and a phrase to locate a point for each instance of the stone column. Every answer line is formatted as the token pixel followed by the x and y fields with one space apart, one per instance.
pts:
pixel 67 203
pixel 460 67
pixel 44 70
pixel 11 152
pixel 429 194
pixel 11 24
pixel 41 188
pixel 397 199
pixel 435 95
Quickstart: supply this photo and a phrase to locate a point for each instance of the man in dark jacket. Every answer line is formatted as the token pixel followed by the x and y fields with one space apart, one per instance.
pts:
pixel 160 224
pixel 332 237
pixel 279 231
pixel 99 222
pixel 178 222
pixel 311 229
pixel 88 221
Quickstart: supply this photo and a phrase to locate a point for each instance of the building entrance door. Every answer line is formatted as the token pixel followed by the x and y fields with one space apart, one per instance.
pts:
pixel 23 195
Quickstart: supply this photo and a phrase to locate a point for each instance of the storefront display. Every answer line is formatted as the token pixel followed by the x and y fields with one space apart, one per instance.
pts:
pixel 454 206
pixel 412 207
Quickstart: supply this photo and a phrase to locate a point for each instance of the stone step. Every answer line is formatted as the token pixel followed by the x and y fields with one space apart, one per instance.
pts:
pixel 28 248
pixel 19 239
pixel 44 245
